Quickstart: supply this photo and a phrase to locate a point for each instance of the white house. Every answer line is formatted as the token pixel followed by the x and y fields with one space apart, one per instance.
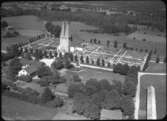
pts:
pixel 48 62
pixel 22 72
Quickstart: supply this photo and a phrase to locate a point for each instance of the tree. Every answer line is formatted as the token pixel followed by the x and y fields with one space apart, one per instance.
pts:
pixel 92 62
pixel 129 88
pixel 99 42
pixel 108 64
pixel 92 86
pixel 26 78
pixel 127 105
pixel 44 71
pixel 92 111
pixel 55 54
pixel 81 59
pixel 57 64
pixel 91 40
pixel 124 45
pixel 76 58
pixel 117 68
pixel 4 24
pixel 95 40
pixel 124 69
pixel 108 43
pixel 157 59
pixel 80 103
pixel 103 62
pixel 112 100
pixel 155 51
pixel 13 68
pixel 55 30
pixel 115 44
pixel 75 88
pixel 66 62
pixel 76 78
pixel 87 59
pixel 46 95
pixel 98 62
pixel 57 102
pixel 27 56
pixel 164 60
pixel 104 84
pixel 13 50
pixel 38 54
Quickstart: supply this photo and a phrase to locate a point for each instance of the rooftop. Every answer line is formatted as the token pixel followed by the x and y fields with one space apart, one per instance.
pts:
pixel 111 114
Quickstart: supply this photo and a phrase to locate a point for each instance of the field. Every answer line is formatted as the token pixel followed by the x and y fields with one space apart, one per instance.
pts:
pixel 32 25
pixel 156 68
pixel 17 109
pixel 10 41
pixel 87 73
pixel 27 26
pixel 159 83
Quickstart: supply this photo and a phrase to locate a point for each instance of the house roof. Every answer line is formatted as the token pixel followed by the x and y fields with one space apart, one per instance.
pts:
pixel 110 114
pixel 33 65
pixel 64 116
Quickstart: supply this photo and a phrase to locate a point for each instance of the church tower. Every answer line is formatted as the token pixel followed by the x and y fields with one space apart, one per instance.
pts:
pixel 64 45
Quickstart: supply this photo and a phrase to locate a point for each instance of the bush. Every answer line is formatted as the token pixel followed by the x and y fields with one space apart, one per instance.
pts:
pixel 43 83
pixel 46 95
pixel 75 88
pixel 44 71
pixel 26 78
pixel 92 86
pixel 129 88
pixel 104 84
pixel 57 102
pixel 112 100
pixel 76 78
pixel 127 105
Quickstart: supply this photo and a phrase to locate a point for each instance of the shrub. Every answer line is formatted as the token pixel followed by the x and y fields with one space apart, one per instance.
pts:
pixel 26 78
pixel 57 102
pixel 46 95
pixel 127 105
pixel 43 83
pixel 75 88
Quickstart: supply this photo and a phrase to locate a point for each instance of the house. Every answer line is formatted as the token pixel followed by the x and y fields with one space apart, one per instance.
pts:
pixel 111 115
pixel 60 90
pixel 29 67
pixel 47 61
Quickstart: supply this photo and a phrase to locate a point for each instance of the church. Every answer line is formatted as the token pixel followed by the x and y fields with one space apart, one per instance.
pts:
pixel 64 45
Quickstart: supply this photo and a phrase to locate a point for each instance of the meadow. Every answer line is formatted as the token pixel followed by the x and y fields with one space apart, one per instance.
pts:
pixel 21 110
pixel 156 68
pixel 88 73
pixel 32 25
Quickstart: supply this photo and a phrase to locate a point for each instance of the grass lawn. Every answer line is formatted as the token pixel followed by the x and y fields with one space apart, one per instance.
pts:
pixel 29 25
pixel 88 73
pixel 159 83
pixel 17 109
pixel 13 40
pixel 156 68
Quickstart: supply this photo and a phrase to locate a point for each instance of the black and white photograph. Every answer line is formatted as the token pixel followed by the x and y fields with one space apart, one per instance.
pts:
pixel 83 60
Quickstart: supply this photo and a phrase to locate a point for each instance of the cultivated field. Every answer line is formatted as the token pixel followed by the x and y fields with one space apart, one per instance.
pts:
pixel 87 73
pixel 13 40
pixel 156 68
pixel 20 110
pixel 30 25
pixel 27 26
pixel 159 83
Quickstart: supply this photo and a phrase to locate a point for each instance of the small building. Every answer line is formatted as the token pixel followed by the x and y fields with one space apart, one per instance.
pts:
pixel 111 115
pixel 48 62
pixel 60 90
